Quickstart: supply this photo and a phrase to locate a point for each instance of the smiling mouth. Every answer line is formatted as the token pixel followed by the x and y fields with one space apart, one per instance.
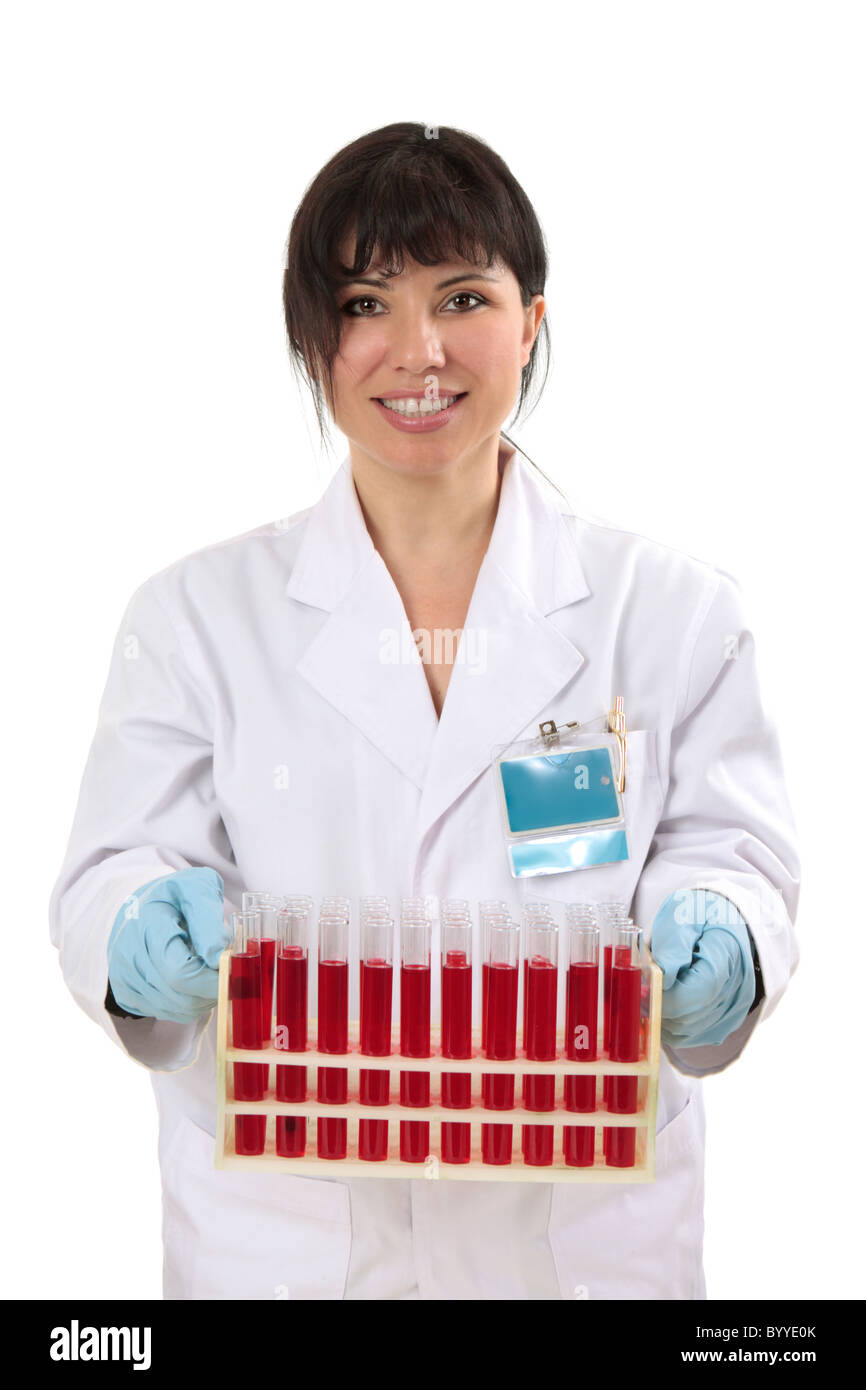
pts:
pixel 411 408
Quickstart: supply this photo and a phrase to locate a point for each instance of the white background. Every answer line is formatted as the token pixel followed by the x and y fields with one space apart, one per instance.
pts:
pixel 698 171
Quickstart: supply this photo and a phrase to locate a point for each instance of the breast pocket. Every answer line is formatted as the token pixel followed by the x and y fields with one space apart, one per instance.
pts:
pixel 241 1235
pixel 641 803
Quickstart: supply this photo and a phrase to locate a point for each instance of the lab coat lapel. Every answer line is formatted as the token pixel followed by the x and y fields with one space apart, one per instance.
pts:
pixel 512 660
pixel 363 660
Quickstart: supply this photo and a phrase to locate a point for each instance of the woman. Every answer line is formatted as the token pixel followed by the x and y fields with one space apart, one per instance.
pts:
pixel 267 724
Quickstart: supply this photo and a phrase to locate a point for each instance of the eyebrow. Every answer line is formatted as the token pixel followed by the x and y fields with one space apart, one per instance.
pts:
pixel 382 284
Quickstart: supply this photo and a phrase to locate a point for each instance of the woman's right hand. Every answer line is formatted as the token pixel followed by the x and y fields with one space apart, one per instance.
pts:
pixel 165 946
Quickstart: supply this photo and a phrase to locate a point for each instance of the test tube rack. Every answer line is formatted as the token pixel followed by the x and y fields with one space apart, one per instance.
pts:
pixel 643 1120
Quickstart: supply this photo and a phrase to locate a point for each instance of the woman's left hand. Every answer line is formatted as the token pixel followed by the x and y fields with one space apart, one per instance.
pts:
pixel 703 946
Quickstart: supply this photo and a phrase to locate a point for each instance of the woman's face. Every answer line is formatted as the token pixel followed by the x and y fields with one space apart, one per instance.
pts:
pixel 432 332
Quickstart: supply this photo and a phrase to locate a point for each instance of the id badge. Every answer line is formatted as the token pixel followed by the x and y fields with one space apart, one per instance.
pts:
pixel 561 798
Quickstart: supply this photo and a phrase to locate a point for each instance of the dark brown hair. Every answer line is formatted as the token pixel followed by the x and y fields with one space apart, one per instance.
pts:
pixel 436 196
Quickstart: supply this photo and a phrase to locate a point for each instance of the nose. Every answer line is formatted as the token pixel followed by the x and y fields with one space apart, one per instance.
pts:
pixel 415 345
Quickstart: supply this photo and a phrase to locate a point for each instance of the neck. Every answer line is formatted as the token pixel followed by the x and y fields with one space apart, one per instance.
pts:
pixel 421 522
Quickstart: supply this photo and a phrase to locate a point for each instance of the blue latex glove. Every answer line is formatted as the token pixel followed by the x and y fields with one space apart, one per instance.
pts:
pixel 702 944
pixel 165 945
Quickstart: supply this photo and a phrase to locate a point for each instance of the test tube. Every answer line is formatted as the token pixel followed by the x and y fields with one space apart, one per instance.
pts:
pixel 539 1034
pixel 245 988
pixel 625 983
pixel 335 907
pixel 374 904
pixel 456 1030
pixel 533 911
pixel 333 1029
pixel 377 970
pixel 610 915
pixel 292 1023
pixel 298 901
pixel 489 910
pixel 497 1091
pixel 414 1025
pixel 267 905
pixel 581 1031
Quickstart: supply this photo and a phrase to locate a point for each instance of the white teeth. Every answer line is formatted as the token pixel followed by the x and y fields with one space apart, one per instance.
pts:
pixel 410 406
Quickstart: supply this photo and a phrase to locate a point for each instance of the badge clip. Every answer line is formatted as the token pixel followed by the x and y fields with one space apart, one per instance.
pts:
pixel 550 733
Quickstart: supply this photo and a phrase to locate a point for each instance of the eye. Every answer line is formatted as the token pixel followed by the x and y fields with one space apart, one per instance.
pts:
pixel 349 307
pixel 467 294
pixel 363 299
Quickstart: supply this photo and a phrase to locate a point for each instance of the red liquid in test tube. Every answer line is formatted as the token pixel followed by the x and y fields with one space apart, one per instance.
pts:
pixel 581 1039
pixel 269 950
pixel 625 990
pixel 612 915
pixel 245 989
pixel 267 906
pixel 456 1035
pixel 540 913
pixel 539 1035
pixel 485 992
pixel 291 982
pixel 607 951
pixel 333 1030
pixel 377 971
pixel 414 1032
pixel 497 1091
pixel 492 910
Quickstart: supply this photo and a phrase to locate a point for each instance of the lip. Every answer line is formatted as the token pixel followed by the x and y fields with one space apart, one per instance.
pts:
pixel 420 424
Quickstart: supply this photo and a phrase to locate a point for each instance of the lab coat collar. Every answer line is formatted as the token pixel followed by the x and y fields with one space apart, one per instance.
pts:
pixel 504 678
pixel 529 541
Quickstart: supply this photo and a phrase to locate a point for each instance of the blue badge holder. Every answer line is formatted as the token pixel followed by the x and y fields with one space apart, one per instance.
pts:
pixel 561 796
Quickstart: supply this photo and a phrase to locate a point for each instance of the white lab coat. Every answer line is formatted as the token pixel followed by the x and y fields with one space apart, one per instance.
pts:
pixel 254 721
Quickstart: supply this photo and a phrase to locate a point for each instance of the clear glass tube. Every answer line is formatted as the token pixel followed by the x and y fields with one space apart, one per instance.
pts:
pixel 610 914
pixel 497 1091
pixel 583 941
pixel 377 939
pixel 489 910
pixel 292 925
pixel 535 908
pixel 414 1027
pixel 536 915
pixel 456 980
pixel 333 937
pixel 456 941
pixel 413 910
pixel 298 902
pixel 337 907
pixel 246 927
pixel 376 987
pixel 252 900
pixel 626 945
pixel 541 940
pixel 580 914
pixel 624 1042
pixel 415 942
pixel 374 905
pixel 540 977
pixel 503 943
pixel 581 1032
pixel 292 1021
pixel 333 1027
pixel 492 905
pixel 245 991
